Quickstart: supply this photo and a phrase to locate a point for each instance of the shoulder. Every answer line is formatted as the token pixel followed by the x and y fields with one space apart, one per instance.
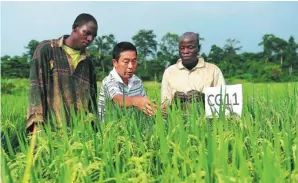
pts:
pixel 42 48
pixel 211 66
pixel 171 69
pixel 137 80
pixel 108 80
pixel 44 44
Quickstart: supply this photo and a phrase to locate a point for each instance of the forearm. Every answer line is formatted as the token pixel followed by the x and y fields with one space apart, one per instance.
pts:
pixel 125 101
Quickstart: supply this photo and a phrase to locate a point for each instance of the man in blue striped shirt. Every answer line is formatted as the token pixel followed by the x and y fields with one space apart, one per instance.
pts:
pixel 122 86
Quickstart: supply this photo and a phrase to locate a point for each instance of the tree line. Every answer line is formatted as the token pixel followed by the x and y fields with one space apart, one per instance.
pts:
pixel 277 62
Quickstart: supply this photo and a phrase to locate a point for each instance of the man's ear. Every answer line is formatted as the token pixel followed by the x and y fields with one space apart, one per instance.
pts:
pixel 199 48
pixel 115 63
pixel 74 27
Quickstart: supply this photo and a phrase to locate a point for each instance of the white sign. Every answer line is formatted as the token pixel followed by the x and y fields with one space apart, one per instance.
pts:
pixel 228 96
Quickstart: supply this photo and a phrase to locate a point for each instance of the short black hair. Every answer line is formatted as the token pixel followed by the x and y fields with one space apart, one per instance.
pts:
pixel 83 19
pixel 121 47
pixel 195 36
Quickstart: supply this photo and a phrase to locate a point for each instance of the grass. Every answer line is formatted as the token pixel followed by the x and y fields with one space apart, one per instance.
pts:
pixel 260 146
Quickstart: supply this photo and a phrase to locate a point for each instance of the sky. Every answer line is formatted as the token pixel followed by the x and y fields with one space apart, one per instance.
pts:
pixel 214 21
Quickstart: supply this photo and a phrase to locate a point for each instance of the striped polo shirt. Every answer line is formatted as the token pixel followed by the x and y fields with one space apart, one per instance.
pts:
pixel 113 85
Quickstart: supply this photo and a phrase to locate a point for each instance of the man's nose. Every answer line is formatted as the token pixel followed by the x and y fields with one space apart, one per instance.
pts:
pixel 129 65
pixel 90 38
pixel 185 50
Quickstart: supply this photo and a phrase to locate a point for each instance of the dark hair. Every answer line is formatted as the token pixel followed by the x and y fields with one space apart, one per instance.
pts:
pixel 83 19
pixel 121 47
pixel 195 36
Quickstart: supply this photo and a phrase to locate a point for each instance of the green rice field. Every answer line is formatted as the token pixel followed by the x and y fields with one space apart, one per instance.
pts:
pixel 259 146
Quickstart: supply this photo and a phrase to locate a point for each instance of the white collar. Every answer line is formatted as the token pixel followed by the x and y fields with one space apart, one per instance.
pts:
pixel 115 74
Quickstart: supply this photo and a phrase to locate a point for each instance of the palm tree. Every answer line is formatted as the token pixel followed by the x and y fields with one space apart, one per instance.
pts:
pixel 230 48
pixel 267 46
pixel 146 44
pixel 104 44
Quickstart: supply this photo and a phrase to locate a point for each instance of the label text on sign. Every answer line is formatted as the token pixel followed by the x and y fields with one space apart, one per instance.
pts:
pixel 229 96
pixel 217 99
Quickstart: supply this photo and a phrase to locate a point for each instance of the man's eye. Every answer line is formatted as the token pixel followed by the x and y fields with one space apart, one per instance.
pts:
pixel 86 32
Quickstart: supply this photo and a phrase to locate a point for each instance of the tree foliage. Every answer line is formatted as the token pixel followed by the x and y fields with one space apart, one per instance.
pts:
pixel 277 62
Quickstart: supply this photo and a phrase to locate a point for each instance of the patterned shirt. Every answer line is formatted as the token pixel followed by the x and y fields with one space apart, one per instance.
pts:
pixel 56 86
pixel 113 85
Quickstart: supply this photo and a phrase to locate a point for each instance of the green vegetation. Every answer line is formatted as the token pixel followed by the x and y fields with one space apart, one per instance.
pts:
pixel 278 62
pixel 261 146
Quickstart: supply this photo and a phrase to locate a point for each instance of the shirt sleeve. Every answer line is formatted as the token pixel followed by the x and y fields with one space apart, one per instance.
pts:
pixel 108 90
pixel 143 92
pixel 93 103
pixel 219 79
pixel 37 108
pixel 101 101
pixel 166 95
pixel 112 89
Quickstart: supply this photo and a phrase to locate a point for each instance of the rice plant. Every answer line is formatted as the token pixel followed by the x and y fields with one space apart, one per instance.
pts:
pixel 259 146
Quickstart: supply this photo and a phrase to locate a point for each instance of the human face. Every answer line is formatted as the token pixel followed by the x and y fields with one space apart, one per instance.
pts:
pixel 126 64
pixel 188 49
pixel 85 34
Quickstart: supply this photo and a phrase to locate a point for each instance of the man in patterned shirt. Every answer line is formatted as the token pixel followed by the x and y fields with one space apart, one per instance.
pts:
pixel 122 86
pixel 62 76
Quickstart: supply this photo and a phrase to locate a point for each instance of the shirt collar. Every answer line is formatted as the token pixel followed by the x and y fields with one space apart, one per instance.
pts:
pixel 200 64
pixel 59 43
pixel 115 74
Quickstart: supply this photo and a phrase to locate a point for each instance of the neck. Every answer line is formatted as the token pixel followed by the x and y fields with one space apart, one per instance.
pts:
pixel 190 64
pixel 69 41
pixel 125 81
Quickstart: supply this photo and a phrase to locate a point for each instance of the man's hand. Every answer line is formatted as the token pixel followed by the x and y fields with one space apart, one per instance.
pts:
pixel 34 128
pixel 164 110
pixel 145 105
pixel 141 103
